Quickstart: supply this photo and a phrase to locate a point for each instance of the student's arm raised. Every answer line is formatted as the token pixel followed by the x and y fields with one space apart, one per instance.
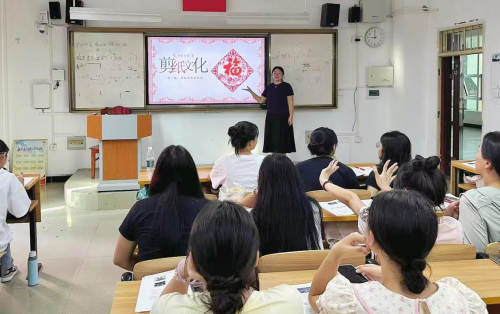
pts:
pixel 345 196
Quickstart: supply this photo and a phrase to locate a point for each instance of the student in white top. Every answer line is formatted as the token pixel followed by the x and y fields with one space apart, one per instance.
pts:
pixel 402 231
pixel 13 200
pixel 241 169
pixel 223 254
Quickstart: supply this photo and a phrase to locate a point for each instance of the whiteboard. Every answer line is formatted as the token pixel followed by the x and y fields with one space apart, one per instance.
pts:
pixel 308 61
pixel 108 70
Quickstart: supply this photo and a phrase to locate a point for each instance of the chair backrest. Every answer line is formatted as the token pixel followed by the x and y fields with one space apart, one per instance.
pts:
pixel 2 254
pixel 302 260
pixel 211 197
pixel 324 196
pixel 155 266
pixel 452 252
pixel 493 249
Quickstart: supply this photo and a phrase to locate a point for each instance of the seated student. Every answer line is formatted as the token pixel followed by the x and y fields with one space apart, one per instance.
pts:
pixel 241 169
pixel 421 175
pixel 287 219
pixel 480 208
pixel 223 254
pixel 393 146
pixel 13 200
pixel 323 145
pixel 402 231
pixel 160 225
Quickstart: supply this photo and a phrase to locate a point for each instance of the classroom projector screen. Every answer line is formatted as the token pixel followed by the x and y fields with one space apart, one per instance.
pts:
pixel 205 70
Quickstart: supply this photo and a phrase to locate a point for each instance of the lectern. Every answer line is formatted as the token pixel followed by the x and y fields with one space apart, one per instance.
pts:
pixel 120 149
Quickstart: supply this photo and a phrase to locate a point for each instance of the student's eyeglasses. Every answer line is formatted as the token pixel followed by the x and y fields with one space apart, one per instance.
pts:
pixel 378 145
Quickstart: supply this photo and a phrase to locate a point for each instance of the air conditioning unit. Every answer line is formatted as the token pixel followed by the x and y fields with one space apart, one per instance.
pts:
pixel 373 11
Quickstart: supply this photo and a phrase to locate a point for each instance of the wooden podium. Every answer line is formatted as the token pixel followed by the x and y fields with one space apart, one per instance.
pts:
pixel 120 149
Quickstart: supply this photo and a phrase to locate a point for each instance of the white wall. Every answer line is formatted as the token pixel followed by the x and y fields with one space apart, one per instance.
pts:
pixel 204 134
pixel 3 108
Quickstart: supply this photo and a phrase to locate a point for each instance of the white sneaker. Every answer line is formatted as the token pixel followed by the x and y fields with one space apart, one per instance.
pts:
pixel 8 274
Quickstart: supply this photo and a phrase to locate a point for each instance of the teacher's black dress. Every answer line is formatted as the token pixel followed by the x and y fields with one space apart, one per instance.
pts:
pixel 278 135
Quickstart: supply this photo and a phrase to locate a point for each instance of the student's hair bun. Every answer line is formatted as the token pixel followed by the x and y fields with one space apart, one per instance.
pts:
pixel 233 131
pixel 427 164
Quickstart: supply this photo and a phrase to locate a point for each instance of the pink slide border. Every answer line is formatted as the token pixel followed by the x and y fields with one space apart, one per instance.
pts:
pixel 152 89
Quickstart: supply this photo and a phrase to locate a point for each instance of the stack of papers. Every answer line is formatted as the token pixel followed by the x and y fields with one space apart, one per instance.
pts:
pixel 27 180
pixel 362 171
pixel 151 289
pixel 471 164
pixel 339 209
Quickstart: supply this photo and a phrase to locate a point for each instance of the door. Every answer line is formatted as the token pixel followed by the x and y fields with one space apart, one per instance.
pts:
pixel 451 111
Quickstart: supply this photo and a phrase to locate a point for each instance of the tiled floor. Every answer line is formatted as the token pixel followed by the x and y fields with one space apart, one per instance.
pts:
pixel 76 249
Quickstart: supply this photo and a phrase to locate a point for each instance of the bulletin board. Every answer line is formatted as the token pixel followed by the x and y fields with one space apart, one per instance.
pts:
pixel 30 157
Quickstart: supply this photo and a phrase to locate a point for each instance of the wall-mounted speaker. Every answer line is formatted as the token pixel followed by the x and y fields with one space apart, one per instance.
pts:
pixel 55 10
pixel 354 14
pixel 69 4
pixel 330 13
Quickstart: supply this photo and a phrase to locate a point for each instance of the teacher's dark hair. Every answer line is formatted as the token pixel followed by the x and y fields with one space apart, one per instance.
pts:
pixel 323 142
pixel 242 133
pixel 175 175
pixel 396 147
pixel 3 147
pixel 283 213
pixel 278 68
pixel 224 243
pixel 423 175
pixel 405 227
pixel 490 149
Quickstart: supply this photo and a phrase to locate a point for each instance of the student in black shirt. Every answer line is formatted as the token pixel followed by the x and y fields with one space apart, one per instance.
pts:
pixel 323 145
pixel 160 225
pixel 393 146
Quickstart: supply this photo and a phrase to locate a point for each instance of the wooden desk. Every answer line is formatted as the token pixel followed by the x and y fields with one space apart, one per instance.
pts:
pixel 329 217
pixel 203 173
pixel 34 214
pixel 481 276
pixel 456 176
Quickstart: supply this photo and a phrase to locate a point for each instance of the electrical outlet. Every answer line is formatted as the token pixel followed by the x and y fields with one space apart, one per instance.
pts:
pixel 308 136
pixel 358 139
pixel 341 92
pixel 53 147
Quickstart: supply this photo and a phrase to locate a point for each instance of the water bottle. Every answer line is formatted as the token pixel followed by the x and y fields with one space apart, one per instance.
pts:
pixel 32 269
pixel 150 160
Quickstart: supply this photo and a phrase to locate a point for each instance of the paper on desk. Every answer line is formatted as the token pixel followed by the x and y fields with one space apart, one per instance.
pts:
pixel 471 164
pixel 27 180
pixel 339 209
pixel 151 289
pixel 304 293
pixel 362 171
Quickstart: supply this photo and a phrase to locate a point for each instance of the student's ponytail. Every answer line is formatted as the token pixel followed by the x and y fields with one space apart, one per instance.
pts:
pixel 226 294
pixel 413 277
pixel 224 244
pixel 405 228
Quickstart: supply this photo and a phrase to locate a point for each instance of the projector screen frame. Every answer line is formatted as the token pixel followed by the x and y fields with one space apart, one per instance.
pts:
pixel 207 32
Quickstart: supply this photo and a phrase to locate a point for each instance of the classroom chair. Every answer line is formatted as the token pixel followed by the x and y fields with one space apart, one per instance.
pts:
pixel 155 266
pixel 94 150
pixel 2 254
pixel 452 252
pixel 324 196
pixel 302 260
pixel 211 197
pixel 493 249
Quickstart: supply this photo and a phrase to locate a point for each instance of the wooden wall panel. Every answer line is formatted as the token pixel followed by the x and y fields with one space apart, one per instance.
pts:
pixel 119 160
pixel 94 127
pixel 144 126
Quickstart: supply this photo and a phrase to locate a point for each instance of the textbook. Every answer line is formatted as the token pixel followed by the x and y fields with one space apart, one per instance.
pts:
pixel 151 289
pixel 339 209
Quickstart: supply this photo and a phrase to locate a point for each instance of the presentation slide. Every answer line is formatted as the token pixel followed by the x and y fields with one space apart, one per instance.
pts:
pixel 205 70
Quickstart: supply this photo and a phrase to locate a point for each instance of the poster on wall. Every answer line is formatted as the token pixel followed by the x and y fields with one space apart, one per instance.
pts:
pixel 205 70
pixel 30 157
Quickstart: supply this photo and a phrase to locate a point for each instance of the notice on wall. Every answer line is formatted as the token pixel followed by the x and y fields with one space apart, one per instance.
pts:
pixel 495 68
pixel 30 157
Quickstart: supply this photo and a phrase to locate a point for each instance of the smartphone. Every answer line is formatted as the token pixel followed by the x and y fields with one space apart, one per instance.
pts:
pixel 349 271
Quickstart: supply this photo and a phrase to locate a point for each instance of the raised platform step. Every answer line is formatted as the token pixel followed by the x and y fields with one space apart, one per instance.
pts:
pixel 80 191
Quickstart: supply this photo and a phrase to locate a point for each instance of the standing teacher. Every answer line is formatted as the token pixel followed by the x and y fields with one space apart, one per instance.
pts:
pixel 278 134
